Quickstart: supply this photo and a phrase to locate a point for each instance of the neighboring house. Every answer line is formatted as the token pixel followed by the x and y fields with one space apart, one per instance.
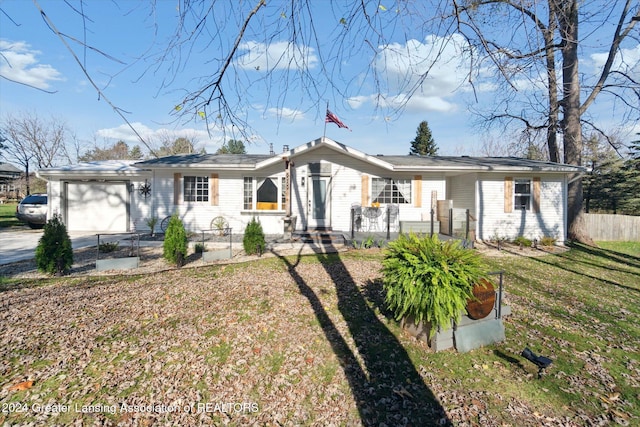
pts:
pixel 508 197
pixel 9 176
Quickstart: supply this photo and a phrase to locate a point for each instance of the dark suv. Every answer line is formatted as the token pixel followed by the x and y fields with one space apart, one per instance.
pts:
pixel 33 210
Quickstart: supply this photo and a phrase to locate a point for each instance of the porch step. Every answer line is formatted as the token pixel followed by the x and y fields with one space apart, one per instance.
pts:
pixel 319 237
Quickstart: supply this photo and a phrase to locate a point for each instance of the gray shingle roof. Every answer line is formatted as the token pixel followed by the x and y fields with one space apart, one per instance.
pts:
pixel 205 160
pixel 475 163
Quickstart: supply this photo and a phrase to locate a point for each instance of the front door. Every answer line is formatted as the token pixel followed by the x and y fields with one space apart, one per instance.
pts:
pixel 319 202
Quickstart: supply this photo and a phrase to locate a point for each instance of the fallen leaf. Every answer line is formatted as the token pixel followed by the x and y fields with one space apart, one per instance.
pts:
pixel 24 385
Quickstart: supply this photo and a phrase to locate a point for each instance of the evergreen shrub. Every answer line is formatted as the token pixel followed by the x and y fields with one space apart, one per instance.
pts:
pixel 253 240
pixel 175 242
pixel 54 254
pixel 429 280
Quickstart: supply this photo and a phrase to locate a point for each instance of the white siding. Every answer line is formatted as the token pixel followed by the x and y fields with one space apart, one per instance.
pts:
pixel 140 207
pixel 54 206
pixel 345 186
pixel 346 182
pixel 494 222
pixel 198 215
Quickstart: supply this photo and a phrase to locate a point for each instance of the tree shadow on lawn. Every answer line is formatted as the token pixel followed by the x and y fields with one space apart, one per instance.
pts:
pixel 576 262
pixel 386 387
pixel 619 257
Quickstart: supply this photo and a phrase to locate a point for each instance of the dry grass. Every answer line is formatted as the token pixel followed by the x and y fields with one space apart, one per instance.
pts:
pixel 302 340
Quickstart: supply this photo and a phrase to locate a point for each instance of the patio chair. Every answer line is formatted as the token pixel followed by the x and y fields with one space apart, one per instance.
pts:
pixel 372 214
pixel 391 217
pixel 357 216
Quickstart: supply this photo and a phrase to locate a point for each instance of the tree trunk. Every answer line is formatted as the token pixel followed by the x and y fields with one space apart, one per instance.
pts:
pixel 568 20
pixel 552 81
pixel 26 168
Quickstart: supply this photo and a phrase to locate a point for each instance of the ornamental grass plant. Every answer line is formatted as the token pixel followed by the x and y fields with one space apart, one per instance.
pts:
pixel 429 280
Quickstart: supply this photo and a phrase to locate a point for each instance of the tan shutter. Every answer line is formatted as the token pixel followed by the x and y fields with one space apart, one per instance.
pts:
pixel 177 189
pixel 417 185
pixel 508 194
pixel 214 189
pixel 364 198
pixel 535 205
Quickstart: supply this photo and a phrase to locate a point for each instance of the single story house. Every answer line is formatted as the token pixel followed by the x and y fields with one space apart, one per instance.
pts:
pixel 317 183
pixel 9 176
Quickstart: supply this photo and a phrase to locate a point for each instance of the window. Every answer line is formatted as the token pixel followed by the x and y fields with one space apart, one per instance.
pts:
pixel 196 189
pixel 387 190
pixel 522 194
pixel 248 193
pixel 268 196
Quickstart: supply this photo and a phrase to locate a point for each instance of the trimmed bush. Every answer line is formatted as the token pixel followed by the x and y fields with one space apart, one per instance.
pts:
pixel 522 241
pixel 175 242
pixel 54 254
pixel 429 280
pixel 108 247
pixel 253 240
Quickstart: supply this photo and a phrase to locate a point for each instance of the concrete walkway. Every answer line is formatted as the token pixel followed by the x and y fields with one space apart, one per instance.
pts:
pixel 18 244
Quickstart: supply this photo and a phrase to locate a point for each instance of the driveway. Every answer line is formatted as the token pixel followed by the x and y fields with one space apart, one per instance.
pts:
pixel 17 244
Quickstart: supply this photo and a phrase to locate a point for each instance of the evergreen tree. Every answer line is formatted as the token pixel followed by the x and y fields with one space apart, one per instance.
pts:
pixel 253 240
pixel 54 254
pixel 232 146
pixel 631 203
pixel 601 185
pixel 175 242
pixel 423 144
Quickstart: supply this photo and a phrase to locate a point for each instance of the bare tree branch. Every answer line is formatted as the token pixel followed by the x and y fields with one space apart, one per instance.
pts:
pixel 86 73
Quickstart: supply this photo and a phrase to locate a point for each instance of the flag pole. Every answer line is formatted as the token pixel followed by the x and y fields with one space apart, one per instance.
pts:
pixel 324 133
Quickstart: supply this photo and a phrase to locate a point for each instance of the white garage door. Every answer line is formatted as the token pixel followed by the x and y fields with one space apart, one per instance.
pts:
pixel 97 206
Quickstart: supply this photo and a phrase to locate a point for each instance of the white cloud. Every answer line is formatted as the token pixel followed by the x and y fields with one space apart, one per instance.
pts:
pixel 19 63
pixel 285 113
pixel 413 103
pixel 626 61
pixel 276 56
pixel 422 76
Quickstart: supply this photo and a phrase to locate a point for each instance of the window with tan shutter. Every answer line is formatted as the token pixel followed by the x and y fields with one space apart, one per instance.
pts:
pixel 508 194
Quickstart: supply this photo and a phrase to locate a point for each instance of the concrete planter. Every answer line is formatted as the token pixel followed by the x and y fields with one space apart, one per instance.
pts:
pixel 127 263
pixel 465 336
pixel 442 340
pixel 217 255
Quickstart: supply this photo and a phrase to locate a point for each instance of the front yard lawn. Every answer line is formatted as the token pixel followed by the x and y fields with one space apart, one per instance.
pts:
pixel 8 215
pixel 307 341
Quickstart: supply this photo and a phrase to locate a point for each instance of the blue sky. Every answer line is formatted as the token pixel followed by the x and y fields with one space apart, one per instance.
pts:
pixel 133 34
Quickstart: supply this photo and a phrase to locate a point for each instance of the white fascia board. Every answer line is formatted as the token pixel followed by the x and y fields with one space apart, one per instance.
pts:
pixel 499 169
pixel 71 174
pixel 329 143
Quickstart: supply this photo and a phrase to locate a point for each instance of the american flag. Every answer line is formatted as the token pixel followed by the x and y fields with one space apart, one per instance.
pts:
pixel 332 118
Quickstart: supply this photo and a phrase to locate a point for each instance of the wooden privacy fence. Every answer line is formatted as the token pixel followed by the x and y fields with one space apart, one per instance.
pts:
pixel 613 227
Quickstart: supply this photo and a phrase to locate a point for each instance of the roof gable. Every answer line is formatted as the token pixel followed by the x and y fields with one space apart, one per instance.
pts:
pixel 326 143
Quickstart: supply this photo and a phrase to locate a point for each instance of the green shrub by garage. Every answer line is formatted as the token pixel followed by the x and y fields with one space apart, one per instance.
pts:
pixel 175 242
pixel 54 254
